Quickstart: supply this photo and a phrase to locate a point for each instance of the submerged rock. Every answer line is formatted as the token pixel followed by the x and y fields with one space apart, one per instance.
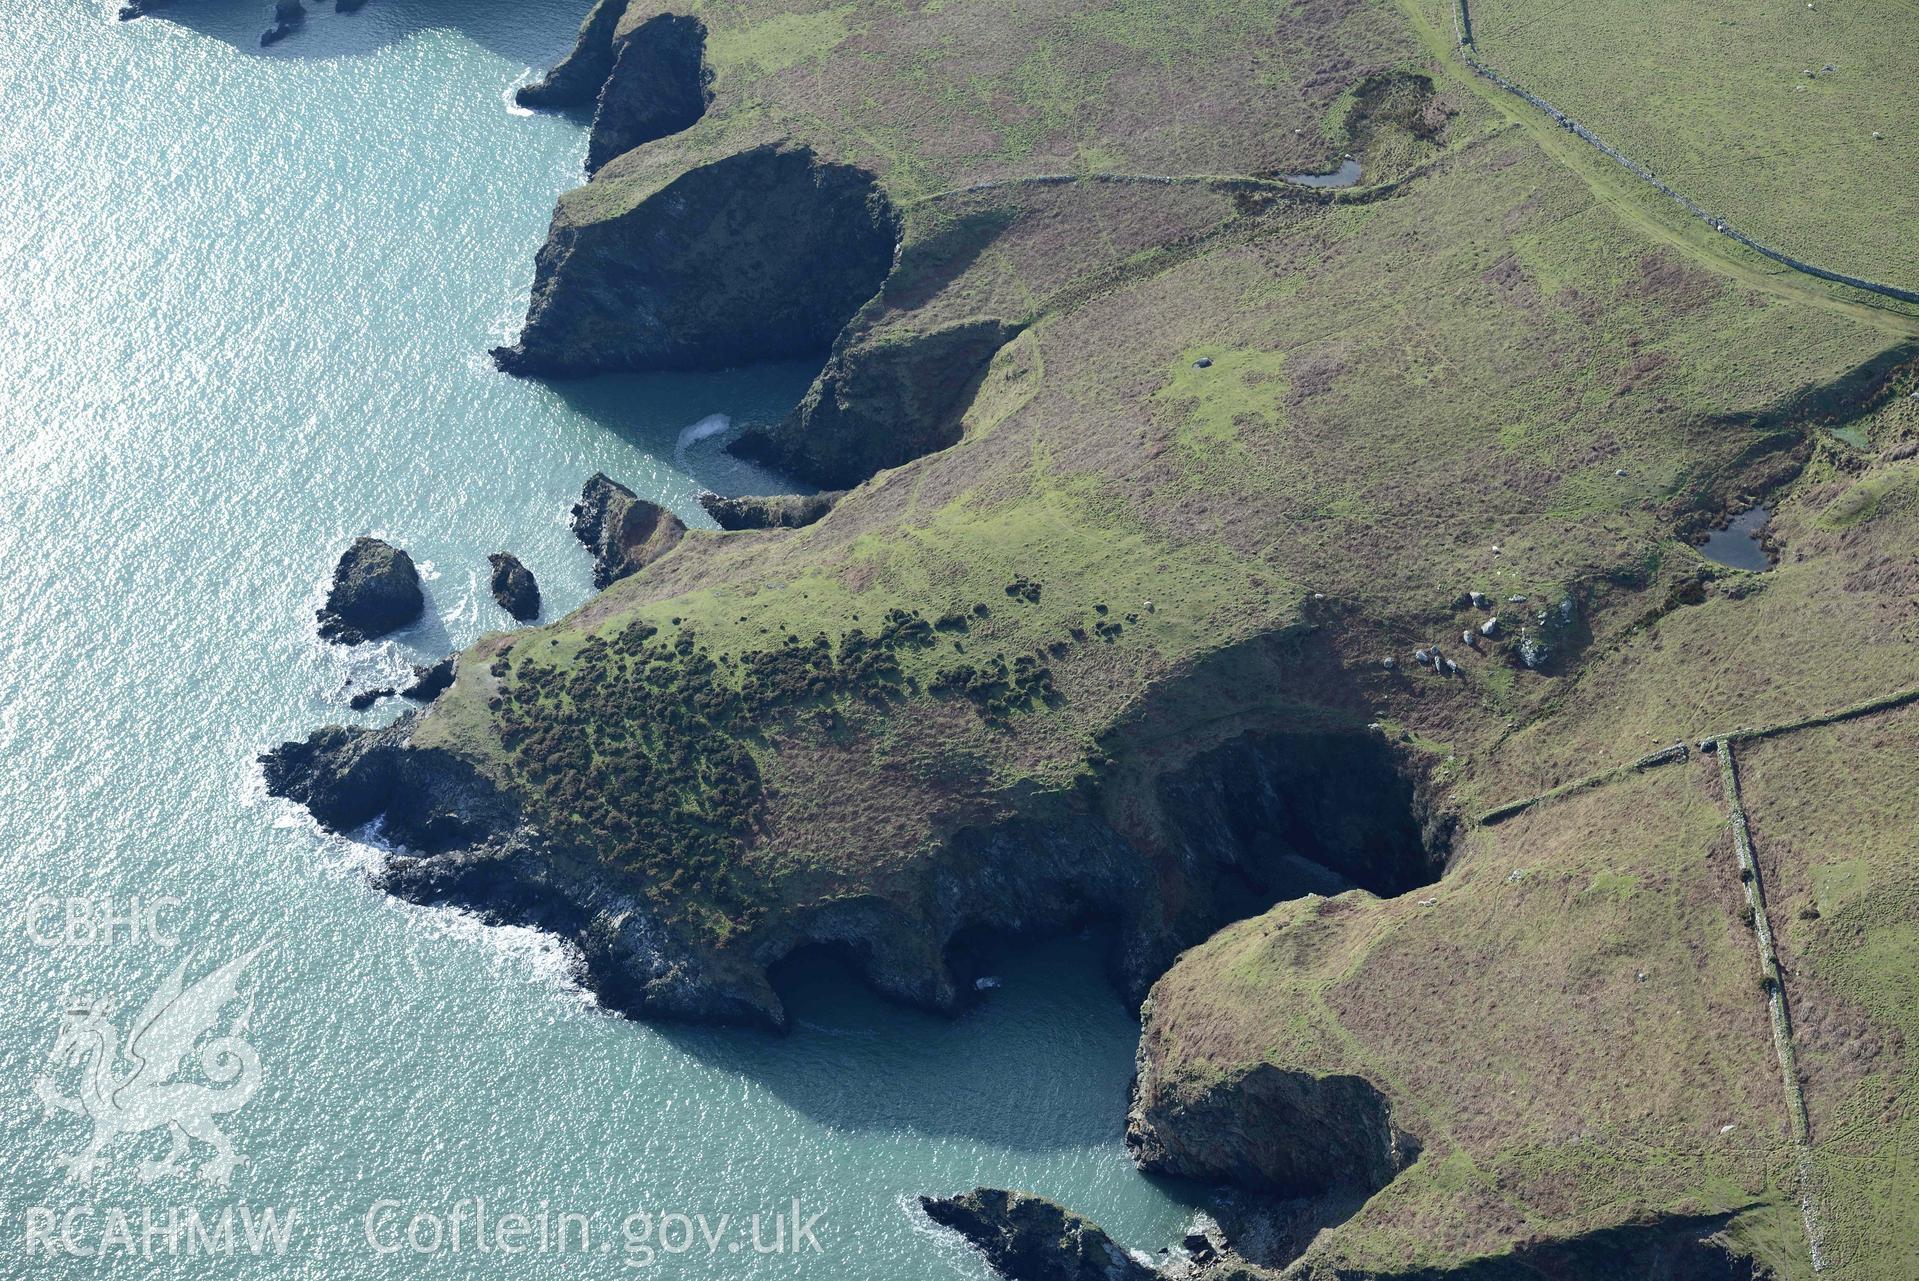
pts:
pixel 376 590
pixel 624 532
pixel 288 17
pixel 777 511
pixel 1028 1238
pixel 514 587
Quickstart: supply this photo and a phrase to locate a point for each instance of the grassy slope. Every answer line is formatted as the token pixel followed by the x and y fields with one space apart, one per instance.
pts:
pixel 1715 100
pixel 1852 968
pixel 1541 972
pixel 1497 1019
pixel 1397 388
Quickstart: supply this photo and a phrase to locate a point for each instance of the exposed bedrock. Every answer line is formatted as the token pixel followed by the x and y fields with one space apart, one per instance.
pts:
pixel 761 255
pixel 771 511
pixel 1329 810
pixel 1293 1134
pixel 454 839
pixel 657 86
pixel 624 532
pixel 514 588
pixel 375 590
pixel 575 81
pixel 1029 1238
pixel 883 399
pixel 431 680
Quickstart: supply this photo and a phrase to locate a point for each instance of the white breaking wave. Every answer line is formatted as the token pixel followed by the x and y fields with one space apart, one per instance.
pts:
pixel 513 108
pixel 435 938
pixel 711 425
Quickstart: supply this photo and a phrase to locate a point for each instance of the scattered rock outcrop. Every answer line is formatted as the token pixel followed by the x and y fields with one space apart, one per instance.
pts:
pixel 288 17
pixel 1029 1238
pixel 881 401
pixel 376 590
pixel 430 681
pixel 761 255
pixel 773 511
pixel 514 587
pixel 624 532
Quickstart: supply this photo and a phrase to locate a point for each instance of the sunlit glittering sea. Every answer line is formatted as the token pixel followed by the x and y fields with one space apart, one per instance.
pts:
pixel 245 303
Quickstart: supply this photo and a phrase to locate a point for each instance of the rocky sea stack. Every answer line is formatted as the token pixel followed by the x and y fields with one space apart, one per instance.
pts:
pixel 376 590
pixel 514 587
pixel 1028 1238
pixel 622 530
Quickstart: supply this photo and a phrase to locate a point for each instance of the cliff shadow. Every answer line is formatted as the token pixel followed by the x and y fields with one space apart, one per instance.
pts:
pixel 1040 1060
pixel 535 33
pixel 671 416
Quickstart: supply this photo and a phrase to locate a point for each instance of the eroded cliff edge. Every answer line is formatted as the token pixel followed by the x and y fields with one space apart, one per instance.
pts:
pixel 1270 806
pixel 759 255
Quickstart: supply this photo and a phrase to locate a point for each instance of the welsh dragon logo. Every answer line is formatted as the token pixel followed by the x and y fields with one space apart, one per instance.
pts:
pixel 129 1086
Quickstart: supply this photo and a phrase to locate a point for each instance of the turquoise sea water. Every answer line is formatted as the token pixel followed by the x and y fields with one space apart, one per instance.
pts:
pixel 245 307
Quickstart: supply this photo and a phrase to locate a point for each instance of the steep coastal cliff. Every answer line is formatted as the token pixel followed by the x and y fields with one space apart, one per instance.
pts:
pixel 759 255
pixel 1196 527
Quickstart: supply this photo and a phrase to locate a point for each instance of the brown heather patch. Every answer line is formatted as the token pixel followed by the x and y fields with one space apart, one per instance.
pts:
pixel 1664 277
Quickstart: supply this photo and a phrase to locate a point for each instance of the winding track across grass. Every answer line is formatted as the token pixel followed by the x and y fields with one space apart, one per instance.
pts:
pixel 1463 28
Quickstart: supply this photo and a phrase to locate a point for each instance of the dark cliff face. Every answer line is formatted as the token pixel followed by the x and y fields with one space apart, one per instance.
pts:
pixel 1060 866
pixel 1341 797
pixel 881 402
pixel 455 839
pixel 656 86
pixel 772 511
pixel 1674 1248
pixel 624 532
pixel 762 255
pixel 1293 808
pixel 576 81
pixel 1291 1134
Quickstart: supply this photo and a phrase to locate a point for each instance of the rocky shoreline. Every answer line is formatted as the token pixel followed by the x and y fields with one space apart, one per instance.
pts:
pixel 1050 870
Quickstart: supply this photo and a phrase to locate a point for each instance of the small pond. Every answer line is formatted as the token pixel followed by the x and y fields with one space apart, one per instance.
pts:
pixel 1738 545
pixel 1347 175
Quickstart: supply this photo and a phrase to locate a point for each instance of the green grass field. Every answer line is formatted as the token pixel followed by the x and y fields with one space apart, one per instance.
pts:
pixel 1717 101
